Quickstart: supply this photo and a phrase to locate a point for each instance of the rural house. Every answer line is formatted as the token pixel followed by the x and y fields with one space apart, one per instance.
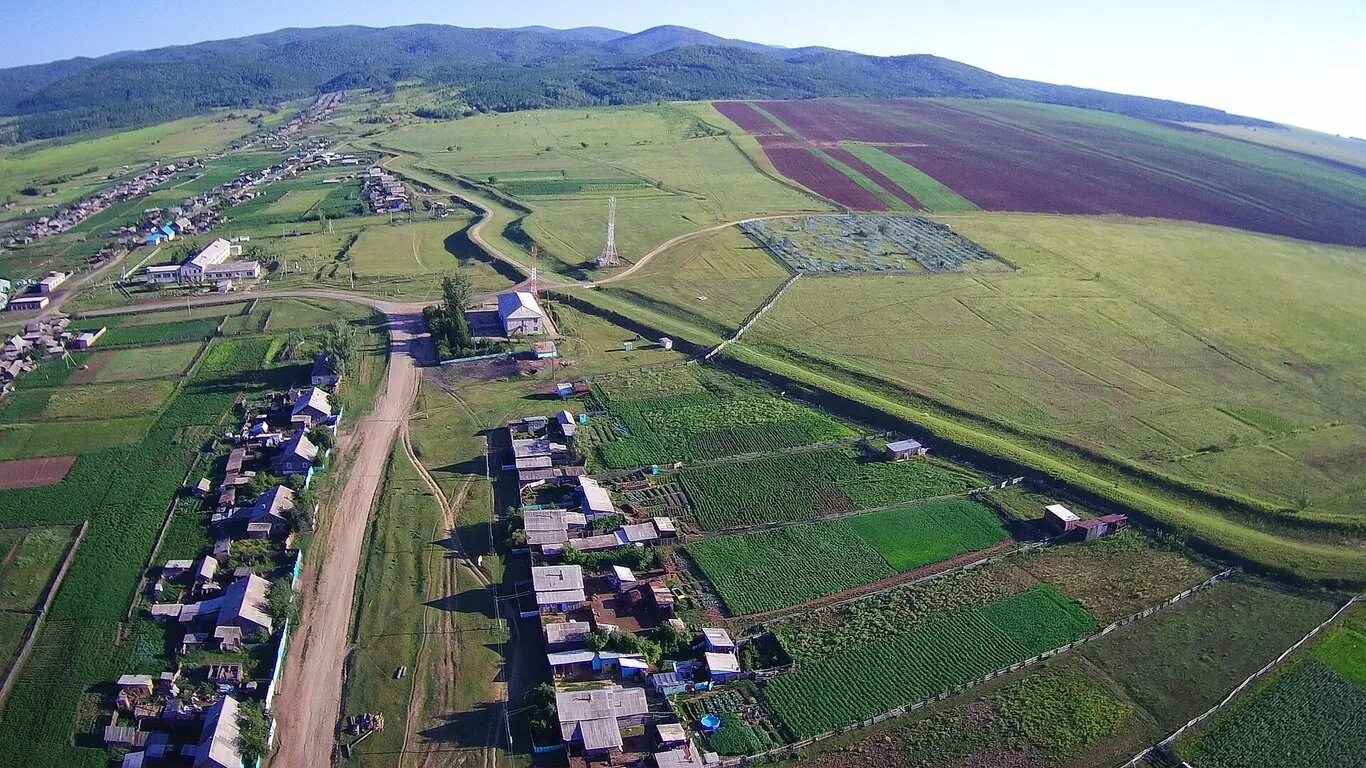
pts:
pixel 905 449
pixel 324 375
pixel 597 502
pixel 218 741
pixel 269 516
pixel 558 588
pixel 312 407
pixel 296 457
pixel 520 314
pixel 592 720
pixel 244 605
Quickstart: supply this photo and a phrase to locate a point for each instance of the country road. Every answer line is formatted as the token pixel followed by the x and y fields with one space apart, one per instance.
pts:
pixel 308 705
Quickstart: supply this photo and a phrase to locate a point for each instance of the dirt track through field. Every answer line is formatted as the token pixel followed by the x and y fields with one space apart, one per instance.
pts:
pixel 309 702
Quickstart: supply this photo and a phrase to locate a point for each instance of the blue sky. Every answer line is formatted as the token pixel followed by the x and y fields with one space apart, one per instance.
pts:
pixel 1302 63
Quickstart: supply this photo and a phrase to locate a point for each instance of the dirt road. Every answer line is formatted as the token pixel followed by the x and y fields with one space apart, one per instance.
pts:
pixel 309 701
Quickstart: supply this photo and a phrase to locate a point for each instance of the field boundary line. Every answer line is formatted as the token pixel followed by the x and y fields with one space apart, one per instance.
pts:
pixel 15 668
pixel 755 315
pixel 1270 665
pixel 788 750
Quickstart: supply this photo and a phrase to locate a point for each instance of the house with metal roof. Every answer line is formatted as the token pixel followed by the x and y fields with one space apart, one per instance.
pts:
pixel 905 449
pixel 592 720
pixel 597 502
pixel 297 457
pixel 558 588
pixel 311 407
pixel 520 314
pixel 269 516
pixel 218 741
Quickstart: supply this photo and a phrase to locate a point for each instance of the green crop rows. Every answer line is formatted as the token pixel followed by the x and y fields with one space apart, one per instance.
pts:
pixel 757 572
pixel 768 570
pixel 911 666
pixel 1309 716
pixel 829 630
pixel 796 486
pixel 709 425
pixel 159 333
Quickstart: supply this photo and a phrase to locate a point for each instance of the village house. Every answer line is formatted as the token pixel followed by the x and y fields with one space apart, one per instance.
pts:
pixel 49 284
pixel 591 721
pixel 901 450
pixel 219 740
pixel 312 407
pixel 324 375
pixel 597 502
pixel 297 457
pixel 520 314
pixel 269 517
pixel 30 302
pixel 558 588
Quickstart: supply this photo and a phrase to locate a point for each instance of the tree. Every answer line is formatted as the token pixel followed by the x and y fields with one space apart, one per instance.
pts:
pixel 253 733
pixel 260 483
pixel 323 438
pixel 458 292
pixel 282 604
pixel 541 712
pixel 338 343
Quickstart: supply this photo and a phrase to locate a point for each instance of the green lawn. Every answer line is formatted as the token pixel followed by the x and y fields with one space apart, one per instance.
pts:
pixel 145 363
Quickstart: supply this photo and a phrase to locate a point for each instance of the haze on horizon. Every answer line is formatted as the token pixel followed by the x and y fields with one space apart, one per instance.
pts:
pixel 1292 63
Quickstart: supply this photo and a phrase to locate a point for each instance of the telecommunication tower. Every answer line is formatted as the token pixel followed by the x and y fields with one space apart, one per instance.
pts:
pixel 533 280
pixel 609 252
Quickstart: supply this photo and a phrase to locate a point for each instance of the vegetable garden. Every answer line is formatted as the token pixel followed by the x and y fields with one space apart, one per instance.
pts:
pixel 800 485
pixel 773 569
pixel 871 243
pixel 905 667
pixel 726 418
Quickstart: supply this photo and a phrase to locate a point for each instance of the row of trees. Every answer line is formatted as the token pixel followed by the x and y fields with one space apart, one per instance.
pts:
pixel 447 323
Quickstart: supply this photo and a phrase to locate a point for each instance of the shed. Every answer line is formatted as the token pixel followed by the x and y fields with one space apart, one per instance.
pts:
pixel 670 734
pixel 1059 519
pixel 596 501
pixel 905 449
pixel 718 640
pixel 723 667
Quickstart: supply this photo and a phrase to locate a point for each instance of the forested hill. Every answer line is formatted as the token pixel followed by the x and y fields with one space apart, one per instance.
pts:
pixel 499 70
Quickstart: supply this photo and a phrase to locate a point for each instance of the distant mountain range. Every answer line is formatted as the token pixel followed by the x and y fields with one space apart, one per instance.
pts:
pixel 499 70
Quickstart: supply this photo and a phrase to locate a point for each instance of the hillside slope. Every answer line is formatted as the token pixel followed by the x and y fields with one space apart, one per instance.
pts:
pixel 500 70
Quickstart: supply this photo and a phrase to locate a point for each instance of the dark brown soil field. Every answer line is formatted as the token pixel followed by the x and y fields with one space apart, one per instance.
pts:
pixel 32 473
pixel 93 365
pixel 1008 157
pixel 795 161
pixel 745 116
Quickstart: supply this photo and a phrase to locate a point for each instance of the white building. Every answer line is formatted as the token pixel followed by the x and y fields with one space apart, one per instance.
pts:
pixel 210 265
pixel 520 314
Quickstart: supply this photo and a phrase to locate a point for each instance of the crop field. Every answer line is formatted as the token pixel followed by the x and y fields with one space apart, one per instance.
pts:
pixel 730 417
pixel 1103 346
pixel 909 666
pixel 547 187
pixel 160 333
pixel 110 401
pixel 1026 157
pixel 1309 713
pixel 839 244
pixel 798 161
pixel 75 438
pixel 1309 716
pixel 298 202
pixel 699 180
pixel 928 193
pixel 804 484
pixel 137 364
pixel 769 570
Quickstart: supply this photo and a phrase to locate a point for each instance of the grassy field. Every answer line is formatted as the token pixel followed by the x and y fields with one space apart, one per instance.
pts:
pixel 695 181
pixel 769 570
pixel 37 161
pixel 149 363
pixel 1338 149
pixel 31 558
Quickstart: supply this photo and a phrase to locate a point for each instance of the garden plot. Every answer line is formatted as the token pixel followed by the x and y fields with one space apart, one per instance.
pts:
pixel 725 417
pixel 850 244
pixel 774 569
pixel 34 473
pixel 805 484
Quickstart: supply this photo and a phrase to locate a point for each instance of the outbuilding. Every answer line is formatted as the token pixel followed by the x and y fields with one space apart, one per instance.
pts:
pixel 905 449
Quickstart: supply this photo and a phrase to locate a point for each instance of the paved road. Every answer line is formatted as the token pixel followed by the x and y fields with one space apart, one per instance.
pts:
pixel 308 705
